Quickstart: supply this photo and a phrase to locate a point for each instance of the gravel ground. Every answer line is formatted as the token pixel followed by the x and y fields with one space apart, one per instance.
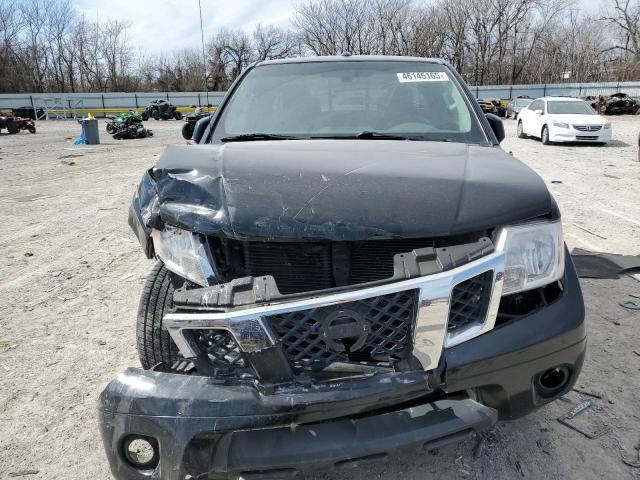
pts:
pixel 71 274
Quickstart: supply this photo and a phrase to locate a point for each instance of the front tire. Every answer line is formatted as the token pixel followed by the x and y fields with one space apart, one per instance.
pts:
pixel 521 130
pixel 187 131
pixel 155 346
pixel 544 138
pixel 12 126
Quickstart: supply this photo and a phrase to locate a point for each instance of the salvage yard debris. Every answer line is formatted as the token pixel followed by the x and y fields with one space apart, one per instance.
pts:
pixel 574 412
pixel 24 473
pixel 603 265
pixel 635 463
pixel 127 126
pixel 589 231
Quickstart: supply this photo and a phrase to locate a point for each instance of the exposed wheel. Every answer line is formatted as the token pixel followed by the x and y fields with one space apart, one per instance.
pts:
pixel 12 127
pixel 155 346
pixel 544 138
pixel 31 128
pixel 177 115
pixel 110 128
pixel 520 130
pixel 187 131
pixel 145 116
pixel 155 114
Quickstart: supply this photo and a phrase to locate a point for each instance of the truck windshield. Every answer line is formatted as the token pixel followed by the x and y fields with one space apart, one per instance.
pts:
pixel 569 107
pixel 349 99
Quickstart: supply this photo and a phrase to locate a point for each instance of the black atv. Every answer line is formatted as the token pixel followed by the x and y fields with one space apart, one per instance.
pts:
pixel 190 124
pixel 192 118
pixel 14 124
pixel 161 110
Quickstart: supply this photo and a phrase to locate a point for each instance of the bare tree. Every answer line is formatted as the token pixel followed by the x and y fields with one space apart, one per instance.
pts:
pixel 46 45
pixel 623 19
pixel 273 42
pixel 116 53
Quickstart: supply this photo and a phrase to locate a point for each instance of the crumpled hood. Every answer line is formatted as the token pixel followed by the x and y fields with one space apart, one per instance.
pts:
pixel 338 189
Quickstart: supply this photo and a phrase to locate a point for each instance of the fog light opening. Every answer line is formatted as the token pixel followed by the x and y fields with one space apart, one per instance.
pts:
pixel 553 380
pixel 141 452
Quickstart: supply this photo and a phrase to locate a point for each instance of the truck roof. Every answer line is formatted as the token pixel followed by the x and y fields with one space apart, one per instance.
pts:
pixel 558 97
pixel 352 58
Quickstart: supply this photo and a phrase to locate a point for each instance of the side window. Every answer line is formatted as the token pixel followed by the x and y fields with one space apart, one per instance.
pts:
pixel 537 105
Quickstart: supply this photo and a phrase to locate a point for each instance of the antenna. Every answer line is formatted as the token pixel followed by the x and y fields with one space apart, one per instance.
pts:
pixel 204 57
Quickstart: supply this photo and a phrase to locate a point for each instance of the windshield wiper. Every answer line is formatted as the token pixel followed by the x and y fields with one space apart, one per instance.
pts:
pixel 249 137
pixel 381 136
pixel 367 135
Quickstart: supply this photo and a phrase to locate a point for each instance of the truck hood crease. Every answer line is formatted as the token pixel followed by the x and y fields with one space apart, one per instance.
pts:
pixel 338 190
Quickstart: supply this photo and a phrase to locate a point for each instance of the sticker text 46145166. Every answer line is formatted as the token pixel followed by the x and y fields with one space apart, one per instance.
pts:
pixel 423 77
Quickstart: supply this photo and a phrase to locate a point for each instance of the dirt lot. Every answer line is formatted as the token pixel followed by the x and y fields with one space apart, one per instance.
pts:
pixel 71 273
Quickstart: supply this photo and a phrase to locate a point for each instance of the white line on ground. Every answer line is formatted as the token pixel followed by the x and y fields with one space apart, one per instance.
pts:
pixel 580 239
pixel 623 217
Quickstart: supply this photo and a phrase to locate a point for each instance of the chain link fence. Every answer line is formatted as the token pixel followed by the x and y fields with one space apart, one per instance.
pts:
pixel 70 105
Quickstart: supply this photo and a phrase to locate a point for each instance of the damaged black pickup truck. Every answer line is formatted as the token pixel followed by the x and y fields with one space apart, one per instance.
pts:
pixel 348 265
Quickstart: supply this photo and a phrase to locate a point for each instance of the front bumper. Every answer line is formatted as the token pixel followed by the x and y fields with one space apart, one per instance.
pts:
pixel 230 432
pixel 208 430
pixel 557 134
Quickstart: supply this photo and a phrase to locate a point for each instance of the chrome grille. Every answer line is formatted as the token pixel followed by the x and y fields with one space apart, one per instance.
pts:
pixel 588 128
pixel 377 329
pixel 427 324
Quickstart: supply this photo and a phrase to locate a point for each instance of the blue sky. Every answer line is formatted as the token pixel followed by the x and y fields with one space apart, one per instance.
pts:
pixel 165 25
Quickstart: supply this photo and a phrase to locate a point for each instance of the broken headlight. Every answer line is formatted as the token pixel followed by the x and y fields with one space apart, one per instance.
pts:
pixel 534 255
pixel 185 254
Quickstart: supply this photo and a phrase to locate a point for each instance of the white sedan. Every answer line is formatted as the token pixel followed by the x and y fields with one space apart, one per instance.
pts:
pixel 563 119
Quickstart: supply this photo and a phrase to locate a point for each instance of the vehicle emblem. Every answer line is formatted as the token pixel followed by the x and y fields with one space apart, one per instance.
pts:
pixel 344 324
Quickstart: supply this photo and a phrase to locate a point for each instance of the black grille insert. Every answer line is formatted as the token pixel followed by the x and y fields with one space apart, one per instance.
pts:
pixel 470 300
pixel 221 349
pixel 373 260
pixel 307 266
pixel 378 329
pixel 295 267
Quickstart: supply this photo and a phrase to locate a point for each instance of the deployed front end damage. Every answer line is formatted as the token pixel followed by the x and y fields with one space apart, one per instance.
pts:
pixel 329 333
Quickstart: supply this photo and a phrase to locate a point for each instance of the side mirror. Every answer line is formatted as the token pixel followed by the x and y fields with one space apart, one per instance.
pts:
pixel 201 126
pixel 538 112
pixel 496 125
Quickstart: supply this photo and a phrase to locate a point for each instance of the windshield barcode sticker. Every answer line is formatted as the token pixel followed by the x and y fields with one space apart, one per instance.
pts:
pixel 423 77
